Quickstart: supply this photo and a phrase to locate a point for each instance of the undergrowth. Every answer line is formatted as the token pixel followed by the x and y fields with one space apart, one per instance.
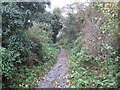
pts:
pixel 22 76
pixel 93 72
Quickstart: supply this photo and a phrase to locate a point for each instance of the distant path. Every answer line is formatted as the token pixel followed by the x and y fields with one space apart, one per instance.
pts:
pixel 56 78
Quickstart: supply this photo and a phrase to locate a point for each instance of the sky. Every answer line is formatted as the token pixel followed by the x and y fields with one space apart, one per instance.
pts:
pixel 61 3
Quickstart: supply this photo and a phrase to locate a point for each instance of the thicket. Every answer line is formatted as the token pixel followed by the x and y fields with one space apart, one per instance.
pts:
pixel 93 44
pixel 90 32
pixel 27 50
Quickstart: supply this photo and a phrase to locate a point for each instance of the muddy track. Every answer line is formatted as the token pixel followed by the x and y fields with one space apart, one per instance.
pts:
pixel 56 78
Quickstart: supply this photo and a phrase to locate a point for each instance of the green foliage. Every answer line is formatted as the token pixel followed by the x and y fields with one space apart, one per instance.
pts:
pixel 70 27
pixel 49 19
pixel 36 74
pixel 22 49
pixel 18 15
pixel 89 72
pixel 86 69
pixel 9 59
pixel 28 52
pixel 63 42
pixel 45 37
pixel 8 68
pixel 15 61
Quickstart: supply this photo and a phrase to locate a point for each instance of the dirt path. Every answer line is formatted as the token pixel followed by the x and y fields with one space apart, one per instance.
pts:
pixel 56 78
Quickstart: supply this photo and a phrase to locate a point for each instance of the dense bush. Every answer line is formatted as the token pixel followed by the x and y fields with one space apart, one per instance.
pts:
pixel 92 72
pixel 94 50
pixel 91 35
pixel 29 56
pixel 8 68
pixel 49 19
pixel 23 50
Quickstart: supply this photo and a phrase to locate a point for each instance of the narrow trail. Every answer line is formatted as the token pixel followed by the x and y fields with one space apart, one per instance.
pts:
pixel 56 78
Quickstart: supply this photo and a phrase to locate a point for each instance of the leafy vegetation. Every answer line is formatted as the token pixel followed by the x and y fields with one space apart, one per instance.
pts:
pixel 27 52
pixel 31 37
pixel 92 72
pixel 94 48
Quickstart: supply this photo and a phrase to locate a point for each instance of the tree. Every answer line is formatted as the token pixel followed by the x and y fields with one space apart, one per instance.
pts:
pixel 17 46
pixel 52 19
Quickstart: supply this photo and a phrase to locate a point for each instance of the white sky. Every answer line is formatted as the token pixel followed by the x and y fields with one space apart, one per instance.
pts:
pixel 61 3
